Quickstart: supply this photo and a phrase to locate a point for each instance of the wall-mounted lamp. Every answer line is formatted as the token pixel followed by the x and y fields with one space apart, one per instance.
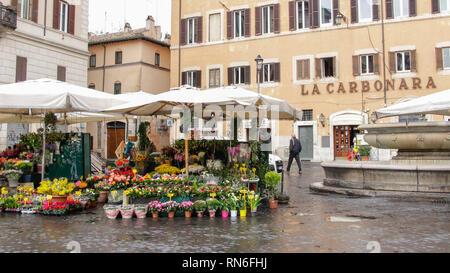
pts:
pixel 340 18
pixel 322 119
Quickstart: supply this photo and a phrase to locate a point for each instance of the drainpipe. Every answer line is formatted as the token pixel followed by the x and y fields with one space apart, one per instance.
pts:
pixel 384 53
pixel 179 44
pixel 105 130
pixel 45 18
pixel 104 67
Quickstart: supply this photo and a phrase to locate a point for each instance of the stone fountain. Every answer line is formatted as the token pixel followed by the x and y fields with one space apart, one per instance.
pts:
pixel 422 164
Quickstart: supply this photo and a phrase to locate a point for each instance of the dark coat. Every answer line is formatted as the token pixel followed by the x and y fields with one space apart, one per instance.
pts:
pixel 295 146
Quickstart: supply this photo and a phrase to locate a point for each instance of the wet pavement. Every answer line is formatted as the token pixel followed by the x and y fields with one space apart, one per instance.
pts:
pixel 301 226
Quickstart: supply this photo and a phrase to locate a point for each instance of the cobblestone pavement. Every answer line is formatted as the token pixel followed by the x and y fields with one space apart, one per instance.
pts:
pixel 304 225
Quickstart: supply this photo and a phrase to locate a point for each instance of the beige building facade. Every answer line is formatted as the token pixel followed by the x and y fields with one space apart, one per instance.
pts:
pixel 42 39
pixel 125 62
pixel 322 56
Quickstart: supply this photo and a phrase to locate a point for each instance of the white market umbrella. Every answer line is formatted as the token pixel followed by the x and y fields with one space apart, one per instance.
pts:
pixel 437 103
pixel 47 95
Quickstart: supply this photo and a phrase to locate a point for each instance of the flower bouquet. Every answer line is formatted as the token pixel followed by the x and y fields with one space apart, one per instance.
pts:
pixel 54 208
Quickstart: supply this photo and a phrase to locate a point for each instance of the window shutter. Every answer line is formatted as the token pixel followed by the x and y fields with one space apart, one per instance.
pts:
pixel 247 23
pixel 306 67
pixel 392 62
pixel 71 19
pixel 21 69
pixel 412 8
pixel 258 21
pixel 376 64
pixel 335 10
pixel 435 8
pixel 183 37
pixel 277 72
pixel 299 69
pixel 247 75
pixel 439 61
pixel 292 17
pixel 276 18
pixel 56 8
pixel 198 77
pixel 61 74
pixel 183 78
pixel 230 25
pixel 389 9
pixel 413 61
pixel 315 14
pixel 354 11
pixel 334 67
pixel 318 68
pixel 230 76
pixel 35 12
pixel 199 30
pixel 376 11
pixel 356 71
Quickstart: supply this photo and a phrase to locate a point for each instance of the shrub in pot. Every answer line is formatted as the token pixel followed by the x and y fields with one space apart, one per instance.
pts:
pixel 200 207
pixel 212 204
pixel 272 180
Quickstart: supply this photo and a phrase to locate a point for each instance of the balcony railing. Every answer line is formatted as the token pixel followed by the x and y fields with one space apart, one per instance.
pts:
pixel 8 16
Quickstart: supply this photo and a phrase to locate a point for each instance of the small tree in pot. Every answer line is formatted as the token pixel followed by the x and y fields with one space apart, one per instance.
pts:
pixel 272 180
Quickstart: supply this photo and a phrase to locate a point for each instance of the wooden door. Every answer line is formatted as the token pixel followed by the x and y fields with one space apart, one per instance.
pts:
pixel 342 140
pixel 116 134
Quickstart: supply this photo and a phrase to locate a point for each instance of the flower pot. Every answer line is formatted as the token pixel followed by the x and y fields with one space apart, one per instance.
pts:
pixel 59 198
pixel 127 213
pixel 93 204
pixel 141 213
pixel 187 214
pixel 224 214
pixel 84 204
pixel 13 182
pixel 171 214
pixel 243 213
pixel 212 213
pixel 155 215
pixel 102 197
pixel 199 214
pixel 254 210
pixel 233 213
pixel 273 204
pixel 111 212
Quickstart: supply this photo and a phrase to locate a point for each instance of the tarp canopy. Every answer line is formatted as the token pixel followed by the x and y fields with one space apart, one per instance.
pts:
pixel 69 118
pixel 437 103
pixel 47 95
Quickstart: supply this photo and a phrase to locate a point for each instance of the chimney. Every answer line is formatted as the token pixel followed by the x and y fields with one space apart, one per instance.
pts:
pixel 127 27
pixel 150 23
pixel 167 38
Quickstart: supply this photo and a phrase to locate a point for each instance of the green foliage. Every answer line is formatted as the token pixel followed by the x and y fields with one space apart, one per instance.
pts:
pixel 50 120
pixel 213 204
pixel 272 180
pixel 144 142
pixel 365 150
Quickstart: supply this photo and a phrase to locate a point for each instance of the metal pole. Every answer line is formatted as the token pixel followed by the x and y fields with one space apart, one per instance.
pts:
pixel 384 54
pixel 259 74
pixel 179 44
pixel 43 149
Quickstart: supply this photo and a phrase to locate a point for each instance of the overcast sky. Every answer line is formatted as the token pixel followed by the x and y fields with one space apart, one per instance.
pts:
pixel 132 11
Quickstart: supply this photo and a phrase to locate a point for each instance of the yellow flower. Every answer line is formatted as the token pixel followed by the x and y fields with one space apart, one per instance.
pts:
pixel 213 194
pixel 49 197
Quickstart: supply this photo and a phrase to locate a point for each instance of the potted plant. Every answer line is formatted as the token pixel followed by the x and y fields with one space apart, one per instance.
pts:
pixel 188 207
pixel 255 202
pixel 111 211
pixel 232 201
pixel 155 208
pixel 272 180
pixel 25 166
pixel 242 204
pixel 224 207
pixel 170 207
pixel 212 204
pixel 127 212
pixel 13 177
pixel 141 211
pixel 364 152
pixel 58 189
pixel 200 207
pixel 103 189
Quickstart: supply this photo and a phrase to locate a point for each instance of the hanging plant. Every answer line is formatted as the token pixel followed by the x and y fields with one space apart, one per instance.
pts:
pixel 50 120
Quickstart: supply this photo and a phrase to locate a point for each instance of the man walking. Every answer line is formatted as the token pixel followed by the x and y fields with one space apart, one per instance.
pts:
pixel 295 147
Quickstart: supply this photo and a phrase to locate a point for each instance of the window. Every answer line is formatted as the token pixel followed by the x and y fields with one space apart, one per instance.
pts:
pixel 157 59
pixel 61 73
pixel 239 23
pixel 93 61
pixel 302 14
pixel 268 19
pixel 118 57
pixel 117 88
pixel 328 67
pixel 239 75
pixel 403 61
pixel 214 78
pixel 21 69
pixel 307 115
pixel 326 12
pixel 444 5
pixel 268 73
pixel 64 17
pixel 367 66
pixel 191 78
pixel 191 35
pixel 401 8
pixel 91 86
pixel 25 9
pixel 303 68
pixel 365 10
pixel 446 57
pixel 214 27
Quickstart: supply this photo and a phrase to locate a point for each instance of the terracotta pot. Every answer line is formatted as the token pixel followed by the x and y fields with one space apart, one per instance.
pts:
pixel 364 158
pixel 171 214
pixel 102 197
pixel 224 214
pixel 59 198
pixel 212 213
pixel 273 204
pixel 199 214
pixel 93 204
pixel 187 214
pixel 243 213
pixel 155 215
